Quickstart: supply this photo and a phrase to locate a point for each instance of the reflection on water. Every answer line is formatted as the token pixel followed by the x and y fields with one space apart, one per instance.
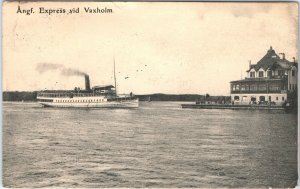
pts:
pixel 157 145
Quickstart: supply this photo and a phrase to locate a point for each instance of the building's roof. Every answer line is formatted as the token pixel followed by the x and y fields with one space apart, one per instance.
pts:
pixel 271 61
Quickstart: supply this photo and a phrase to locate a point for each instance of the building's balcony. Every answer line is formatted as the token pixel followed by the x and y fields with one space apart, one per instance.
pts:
pixel 258 91
pixel 259 85
pixel 268 77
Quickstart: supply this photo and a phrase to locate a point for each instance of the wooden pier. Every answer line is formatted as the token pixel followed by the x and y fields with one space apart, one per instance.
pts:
pixel 233 107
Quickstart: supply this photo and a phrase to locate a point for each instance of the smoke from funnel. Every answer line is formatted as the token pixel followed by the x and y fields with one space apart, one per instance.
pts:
pixel 43 67
pixel 71 72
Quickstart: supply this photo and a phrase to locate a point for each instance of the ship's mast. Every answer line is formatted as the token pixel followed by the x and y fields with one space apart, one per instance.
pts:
pixel 115 77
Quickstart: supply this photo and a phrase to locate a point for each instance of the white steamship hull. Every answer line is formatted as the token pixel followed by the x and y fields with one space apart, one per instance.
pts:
pixel 89 102
pixel 113 104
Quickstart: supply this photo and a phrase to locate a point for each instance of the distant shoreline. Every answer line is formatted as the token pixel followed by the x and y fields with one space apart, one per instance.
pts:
pixel 30 96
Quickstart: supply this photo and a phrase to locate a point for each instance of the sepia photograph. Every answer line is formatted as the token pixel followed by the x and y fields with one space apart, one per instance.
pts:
pixel 149 94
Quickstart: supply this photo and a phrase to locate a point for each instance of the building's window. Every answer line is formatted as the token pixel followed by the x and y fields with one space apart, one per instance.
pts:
pixel 247 87
pixel 236 98
pixel 293 72
pixel 280 72
pixel 269 73
pixel 253 88
pixel 260 74
pixel 283 98
pixel 252 74
pixel 262 98
pixel 262 87
pixel 243 88
pixel 290 86
pixel 237 87
pixel 274 88
pixel 276 97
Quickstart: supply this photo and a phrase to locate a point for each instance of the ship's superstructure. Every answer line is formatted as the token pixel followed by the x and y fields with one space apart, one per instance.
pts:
pixel 267 82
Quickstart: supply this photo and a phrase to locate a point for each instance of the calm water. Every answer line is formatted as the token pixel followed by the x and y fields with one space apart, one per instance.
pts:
pixel 157 145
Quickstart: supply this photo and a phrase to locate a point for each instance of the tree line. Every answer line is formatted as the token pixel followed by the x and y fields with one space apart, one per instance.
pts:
pixel 31 96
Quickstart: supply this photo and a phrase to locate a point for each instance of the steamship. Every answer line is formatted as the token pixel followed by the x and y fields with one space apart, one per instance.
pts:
pixel 95 97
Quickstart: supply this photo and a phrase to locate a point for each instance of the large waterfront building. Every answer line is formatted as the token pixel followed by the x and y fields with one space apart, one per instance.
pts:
pixel 269 81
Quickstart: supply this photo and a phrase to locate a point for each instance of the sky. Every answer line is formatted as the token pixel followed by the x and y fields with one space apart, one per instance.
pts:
pixel 158 47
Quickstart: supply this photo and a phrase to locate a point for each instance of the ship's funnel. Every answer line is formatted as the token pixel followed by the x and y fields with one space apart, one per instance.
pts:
pixel 87 82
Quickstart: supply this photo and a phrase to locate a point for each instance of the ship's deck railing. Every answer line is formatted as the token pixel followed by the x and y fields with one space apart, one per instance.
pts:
pixel 71 94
